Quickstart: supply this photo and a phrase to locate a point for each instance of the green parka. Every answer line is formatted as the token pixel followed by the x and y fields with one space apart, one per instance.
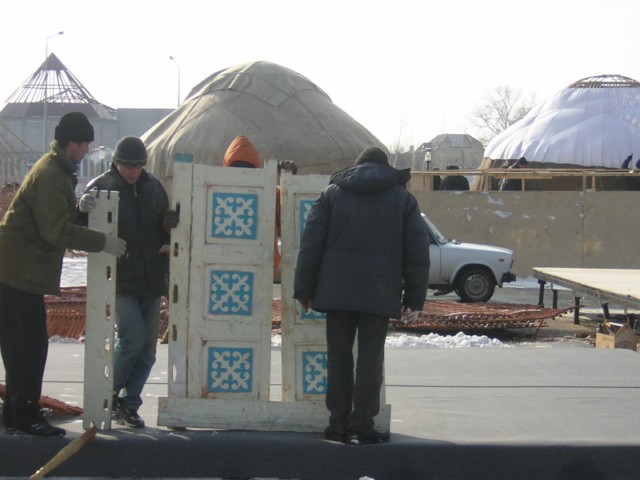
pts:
pixel 40 224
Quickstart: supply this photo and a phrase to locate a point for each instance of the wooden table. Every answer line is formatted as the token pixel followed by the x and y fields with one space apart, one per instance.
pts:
pixel 608 285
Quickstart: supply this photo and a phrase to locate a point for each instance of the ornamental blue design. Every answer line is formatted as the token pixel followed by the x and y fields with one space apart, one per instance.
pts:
pixel 230 370
pixel 311 314
pixel 305 206
pixel 231 293
pixel 234 215
pixel 314 373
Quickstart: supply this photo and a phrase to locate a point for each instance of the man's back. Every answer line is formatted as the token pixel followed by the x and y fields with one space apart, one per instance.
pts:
pixel 372 240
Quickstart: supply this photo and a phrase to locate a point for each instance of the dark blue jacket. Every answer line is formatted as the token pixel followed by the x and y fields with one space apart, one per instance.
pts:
pixel 365 245
pixel 142 270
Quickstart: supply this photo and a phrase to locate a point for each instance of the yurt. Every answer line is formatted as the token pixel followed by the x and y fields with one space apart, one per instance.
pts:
pixel 594 123
pixel 284 114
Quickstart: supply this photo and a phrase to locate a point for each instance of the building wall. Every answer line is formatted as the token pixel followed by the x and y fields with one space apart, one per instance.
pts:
pixel 446 154
pixel 545 229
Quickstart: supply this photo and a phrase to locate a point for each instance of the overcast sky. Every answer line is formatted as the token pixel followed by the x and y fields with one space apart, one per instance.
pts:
pixel 406 70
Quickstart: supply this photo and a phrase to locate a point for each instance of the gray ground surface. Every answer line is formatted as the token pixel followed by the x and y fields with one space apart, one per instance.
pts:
pixel 552 407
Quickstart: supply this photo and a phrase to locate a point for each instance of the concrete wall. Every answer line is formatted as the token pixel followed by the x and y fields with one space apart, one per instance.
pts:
pixel 545 229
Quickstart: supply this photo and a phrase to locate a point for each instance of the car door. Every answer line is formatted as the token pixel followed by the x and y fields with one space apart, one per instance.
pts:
pixel 435 260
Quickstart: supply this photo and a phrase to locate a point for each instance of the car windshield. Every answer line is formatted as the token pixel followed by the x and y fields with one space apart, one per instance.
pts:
pixel 434 231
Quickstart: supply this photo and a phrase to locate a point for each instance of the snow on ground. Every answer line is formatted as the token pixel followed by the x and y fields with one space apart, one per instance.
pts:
pixel 74 272
pixel 434 340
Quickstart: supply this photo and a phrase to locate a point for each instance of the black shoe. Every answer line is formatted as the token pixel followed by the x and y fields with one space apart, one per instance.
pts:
pixel 335 435
pixel 369 438
pixel 40 428
pixel 8 427
pixel 130 418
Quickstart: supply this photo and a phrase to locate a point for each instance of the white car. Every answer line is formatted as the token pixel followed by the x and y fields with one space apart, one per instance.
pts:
pixel 469 269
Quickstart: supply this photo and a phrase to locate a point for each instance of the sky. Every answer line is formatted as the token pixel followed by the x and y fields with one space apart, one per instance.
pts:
pixel 406 70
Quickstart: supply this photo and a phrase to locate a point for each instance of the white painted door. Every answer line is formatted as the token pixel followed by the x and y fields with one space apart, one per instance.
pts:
pixel 226 232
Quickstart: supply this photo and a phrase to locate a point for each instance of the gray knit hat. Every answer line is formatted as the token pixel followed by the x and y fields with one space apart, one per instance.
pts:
pixel 131 152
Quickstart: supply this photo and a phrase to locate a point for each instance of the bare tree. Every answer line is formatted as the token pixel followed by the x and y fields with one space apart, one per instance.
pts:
pixel 502 108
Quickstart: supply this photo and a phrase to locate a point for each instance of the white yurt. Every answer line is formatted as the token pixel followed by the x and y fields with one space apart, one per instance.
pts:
pixel 284 114
pixel 594 123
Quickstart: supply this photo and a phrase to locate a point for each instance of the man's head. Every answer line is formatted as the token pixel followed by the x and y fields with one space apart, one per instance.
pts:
pixel 74 133
pixel 372 155
pixel 129 157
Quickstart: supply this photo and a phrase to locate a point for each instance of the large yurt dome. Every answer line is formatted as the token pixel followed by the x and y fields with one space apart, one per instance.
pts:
pixel 285 115
pixel 593 123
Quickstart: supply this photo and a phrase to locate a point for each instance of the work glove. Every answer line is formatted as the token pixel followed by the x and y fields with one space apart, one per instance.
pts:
pixel 114 245
pixel 87 203
pixel 170 220
pixel 410 317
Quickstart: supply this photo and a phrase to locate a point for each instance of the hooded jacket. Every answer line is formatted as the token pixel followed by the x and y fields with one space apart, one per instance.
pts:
pixel 365 246
pixel 141 207
pixel 40 224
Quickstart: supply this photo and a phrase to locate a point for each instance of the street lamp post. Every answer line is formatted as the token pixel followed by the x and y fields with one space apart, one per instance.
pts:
pixel 177 65
pixel 46 83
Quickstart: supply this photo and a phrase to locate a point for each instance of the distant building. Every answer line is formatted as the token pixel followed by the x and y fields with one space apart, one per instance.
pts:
pixel 449 149
pixel 28 120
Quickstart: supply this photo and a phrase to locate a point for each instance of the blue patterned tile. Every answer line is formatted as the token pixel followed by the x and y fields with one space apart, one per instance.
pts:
pixel 231 293
pixel 305 206
pixel 230 370
pixel 314 373
pixel 234 215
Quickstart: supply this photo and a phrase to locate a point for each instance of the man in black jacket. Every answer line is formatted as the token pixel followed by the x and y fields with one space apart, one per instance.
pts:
pixel 364 257
pixel 145 222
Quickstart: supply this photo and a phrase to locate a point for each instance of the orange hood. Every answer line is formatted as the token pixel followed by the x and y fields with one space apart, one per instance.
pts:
pixel 241 150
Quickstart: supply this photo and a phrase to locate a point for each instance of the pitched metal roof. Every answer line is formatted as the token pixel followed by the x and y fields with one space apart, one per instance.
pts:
pixel 62 90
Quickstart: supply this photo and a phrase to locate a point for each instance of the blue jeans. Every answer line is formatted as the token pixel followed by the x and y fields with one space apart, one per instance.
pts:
pixel 135 351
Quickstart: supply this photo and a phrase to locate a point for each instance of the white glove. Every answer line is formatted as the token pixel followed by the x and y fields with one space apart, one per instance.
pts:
pixel 410 317
pixel 114 245
pixel 87 203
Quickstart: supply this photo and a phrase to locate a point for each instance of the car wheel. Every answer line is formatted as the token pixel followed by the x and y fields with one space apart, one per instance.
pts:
pixel 475 285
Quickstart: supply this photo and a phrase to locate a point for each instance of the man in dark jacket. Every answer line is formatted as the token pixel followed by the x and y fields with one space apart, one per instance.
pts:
pixel 364 257
pixel 145 222
pixel 34 233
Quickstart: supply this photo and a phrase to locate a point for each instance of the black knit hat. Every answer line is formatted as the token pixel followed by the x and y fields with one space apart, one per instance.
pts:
pixel 74 127
pixel 373 155
pixel 130 151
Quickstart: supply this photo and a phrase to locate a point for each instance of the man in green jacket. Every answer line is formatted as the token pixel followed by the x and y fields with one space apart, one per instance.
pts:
pixel 34 233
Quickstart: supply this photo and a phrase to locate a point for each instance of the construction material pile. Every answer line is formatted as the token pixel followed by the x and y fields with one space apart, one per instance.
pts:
pixel 442 315
pixel 66 315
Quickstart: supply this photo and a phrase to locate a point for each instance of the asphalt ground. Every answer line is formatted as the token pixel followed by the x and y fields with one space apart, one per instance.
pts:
pixel 544 409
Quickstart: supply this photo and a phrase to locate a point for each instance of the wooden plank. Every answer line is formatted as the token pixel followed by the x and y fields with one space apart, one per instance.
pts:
pixel 180 280
pixel 100 318
pixel 248 415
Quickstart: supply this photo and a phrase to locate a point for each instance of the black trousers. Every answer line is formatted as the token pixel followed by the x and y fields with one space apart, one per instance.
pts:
pixel 354 401
pixel 24 344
